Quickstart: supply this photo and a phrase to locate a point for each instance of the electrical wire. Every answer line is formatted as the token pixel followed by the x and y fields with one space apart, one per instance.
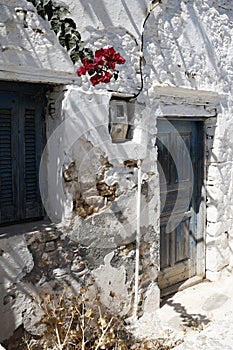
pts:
pixel 153 6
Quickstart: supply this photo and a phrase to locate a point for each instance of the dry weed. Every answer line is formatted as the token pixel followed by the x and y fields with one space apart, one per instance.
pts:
pixel 78 323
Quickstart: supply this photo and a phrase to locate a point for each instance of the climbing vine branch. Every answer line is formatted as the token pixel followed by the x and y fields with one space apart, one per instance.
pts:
pixel 64 27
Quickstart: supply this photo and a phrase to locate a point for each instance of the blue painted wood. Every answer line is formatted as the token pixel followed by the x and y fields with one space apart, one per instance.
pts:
pixel 21 142
pixel 178 176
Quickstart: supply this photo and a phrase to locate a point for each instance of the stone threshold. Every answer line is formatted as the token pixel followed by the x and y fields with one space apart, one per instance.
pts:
pixel 182 285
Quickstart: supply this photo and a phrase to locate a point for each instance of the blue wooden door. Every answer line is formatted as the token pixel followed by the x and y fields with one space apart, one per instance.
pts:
pixel 21 143
pixel 180 155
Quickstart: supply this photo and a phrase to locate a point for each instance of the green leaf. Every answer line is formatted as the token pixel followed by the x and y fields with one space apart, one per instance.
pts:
pixel 74 55
pixel 88 53
pixel 55 25
pixel 72 41
pixel 49 10
pixel 76 34
pixel 69 22
pixel 41 11
pixel 62 40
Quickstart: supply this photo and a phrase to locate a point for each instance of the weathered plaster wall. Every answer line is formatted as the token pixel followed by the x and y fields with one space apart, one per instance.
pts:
pixel 29 50
pixel 186 44
pixel 92 188
pixel 92 184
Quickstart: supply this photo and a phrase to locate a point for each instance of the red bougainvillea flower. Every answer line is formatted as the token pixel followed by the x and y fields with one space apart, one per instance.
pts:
pixel 81 71
pixel 98 61
pixel 102 67
pixel 102 77
pixel 106 77
pixel 99 53
pixel 111 55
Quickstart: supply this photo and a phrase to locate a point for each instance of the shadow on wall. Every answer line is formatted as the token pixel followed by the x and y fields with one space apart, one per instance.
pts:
pixel 29 42
pixel 79 154
pixel 219 197
pixel 187 46
pixel 101 12
pixel 33 261
pixel 40 262
pixel 16 262
pixel 12 266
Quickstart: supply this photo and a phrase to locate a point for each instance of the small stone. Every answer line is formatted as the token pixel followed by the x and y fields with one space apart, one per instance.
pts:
pixel 81 212
pixel 78 266
pixel 89 193
pixel 95 201
pixel 102 186
pixel 49 235
pixel 8 299
pixel 59 272
pixel 50 246
pixel 106 193
pixel 43 259
pixel 90 210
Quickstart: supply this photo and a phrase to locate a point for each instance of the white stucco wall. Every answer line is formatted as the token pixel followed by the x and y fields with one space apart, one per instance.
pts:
pixel 29 49
pixel 187 69
pixel 186 44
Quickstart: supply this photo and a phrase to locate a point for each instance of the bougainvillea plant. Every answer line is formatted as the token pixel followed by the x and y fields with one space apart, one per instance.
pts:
pixel 101 66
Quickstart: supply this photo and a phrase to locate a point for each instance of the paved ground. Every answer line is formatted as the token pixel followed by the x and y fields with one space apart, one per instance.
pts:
pixel 199 317
pixel 205 312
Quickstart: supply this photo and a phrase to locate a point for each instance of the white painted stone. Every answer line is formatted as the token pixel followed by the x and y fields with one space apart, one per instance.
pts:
pixel 215 229
pixel 183 74
pixel 212 213
pixel 217 257
pixel 16 260
pixel 152 299
pixel 112 282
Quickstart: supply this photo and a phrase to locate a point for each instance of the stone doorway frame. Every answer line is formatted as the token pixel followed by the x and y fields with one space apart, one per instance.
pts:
pixel 190 105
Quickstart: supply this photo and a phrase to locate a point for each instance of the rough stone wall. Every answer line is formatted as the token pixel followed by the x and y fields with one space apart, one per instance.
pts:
pixel 38 262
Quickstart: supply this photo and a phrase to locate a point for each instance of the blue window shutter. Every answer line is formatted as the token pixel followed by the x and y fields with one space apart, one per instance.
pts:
pixel 32 152
pixel 21 141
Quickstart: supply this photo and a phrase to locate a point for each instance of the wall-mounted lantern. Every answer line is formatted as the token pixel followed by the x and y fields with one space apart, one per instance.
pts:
pixel 118 126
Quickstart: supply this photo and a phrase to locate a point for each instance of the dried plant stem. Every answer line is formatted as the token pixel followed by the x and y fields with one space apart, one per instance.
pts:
pixel 60 346
pixel 28 347
pixel 103 334
pixel 68 330
pixel 83 327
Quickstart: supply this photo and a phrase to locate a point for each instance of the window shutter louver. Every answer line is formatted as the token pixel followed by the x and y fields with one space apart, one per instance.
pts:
pixel 21 139
pixel 32 201
pixel 6 169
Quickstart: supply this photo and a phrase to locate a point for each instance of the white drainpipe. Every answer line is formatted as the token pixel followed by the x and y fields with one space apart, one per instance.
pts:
pixel 138 237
